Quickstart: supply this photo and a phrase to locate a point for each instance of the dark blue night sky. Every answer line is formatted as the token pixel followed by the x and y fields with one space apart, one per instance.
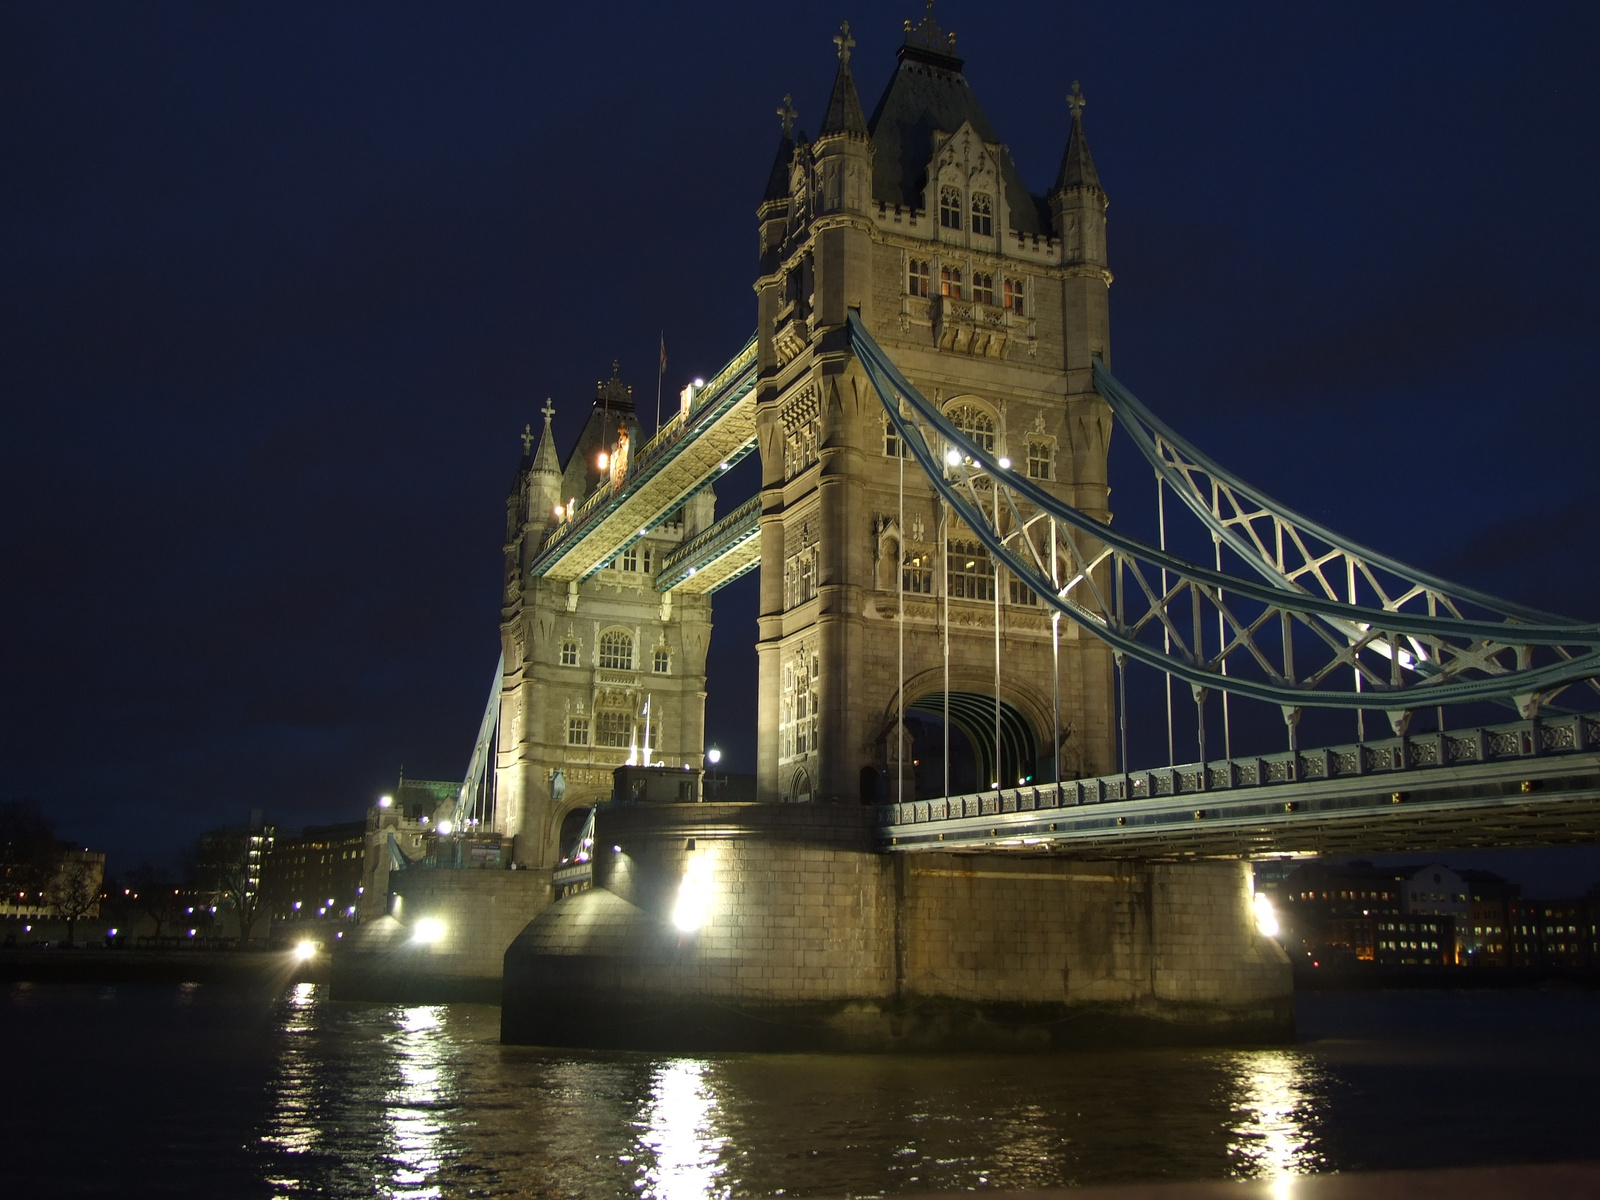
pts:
pixel 280 286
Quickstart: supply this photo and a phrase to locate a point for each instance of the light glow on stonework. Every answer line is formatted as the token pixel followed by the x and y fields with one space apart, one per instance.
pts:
pixel 305 950
pixel 694 894
pixel 1266 917
pixel 427 931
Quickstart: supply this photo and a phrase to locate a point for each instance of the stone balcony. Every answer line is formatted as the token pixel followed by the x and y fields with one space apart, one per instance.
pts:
pixel 968 327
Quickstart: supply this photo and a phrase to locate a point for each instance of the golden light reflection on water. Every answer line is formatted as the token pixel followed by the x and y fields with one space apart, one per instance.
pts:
pixel 680 1142
pixel 411 1106
pixel 1273 1135
pixel 294 1126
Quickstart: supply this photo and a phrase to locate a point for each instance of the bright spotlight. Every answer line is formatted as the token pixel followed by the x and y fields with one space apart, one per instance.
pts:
pixel 427 931
pixel 953 457
pixel 385 801
pixel 445 827
pixel 1005 464
pixel 713 756
pixel 694 895
pixel 305 951
pixel 699 383
pixel 1266 918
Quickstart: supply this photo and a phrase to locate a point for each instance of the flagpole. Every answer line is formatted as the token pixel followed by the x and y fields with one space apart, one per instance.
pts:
pixel 661 369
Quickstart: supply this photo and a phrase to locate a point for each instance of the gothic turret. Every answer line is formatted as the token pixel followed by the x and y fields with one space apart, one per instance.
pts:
pixel 1078 202
pixel 544 475
pixel 844 147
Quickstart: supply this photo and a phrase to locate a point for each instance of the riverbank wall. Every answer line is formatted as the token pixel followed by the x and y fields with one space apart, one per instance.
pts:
pixel 746 926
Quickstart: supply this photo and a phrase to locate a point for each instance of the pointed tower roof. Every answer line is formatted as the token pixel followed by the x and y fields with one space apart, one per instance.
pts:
pixel 1077 164
pixel 928 92
pixel 612 413
pixel 778 180
pixel 546 461
pixel 844 105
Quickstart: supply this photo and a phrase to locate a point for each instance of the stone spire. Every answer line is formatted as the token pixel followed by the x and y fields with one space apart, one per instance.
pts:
pixel 1077 164
pixel 844 116
pixel 546 461
pixel 778 179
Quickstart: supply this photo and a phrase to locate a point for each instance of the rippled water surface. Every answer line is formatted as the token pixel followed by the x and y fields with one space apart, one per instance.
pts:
pixel 211 1091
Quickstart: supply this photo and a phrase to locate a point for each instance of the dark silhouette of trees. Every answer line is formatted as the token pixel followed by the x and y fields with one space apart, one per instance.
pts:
pixel 74 890
pixel 227 868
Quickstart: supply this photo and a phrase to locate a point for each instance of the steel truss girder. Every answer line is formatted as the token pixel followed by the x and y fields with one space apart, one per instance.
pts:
pixel 1464 657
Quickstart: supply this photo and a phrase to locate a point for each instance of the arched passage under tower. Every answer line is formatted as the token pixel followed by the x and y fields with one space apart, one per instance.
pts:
pixel 972 743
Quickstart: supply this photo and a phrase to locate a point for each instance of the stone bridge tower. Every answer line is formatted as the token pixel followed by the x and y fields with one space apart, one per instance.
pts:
pixel 993 302
pixel 595 671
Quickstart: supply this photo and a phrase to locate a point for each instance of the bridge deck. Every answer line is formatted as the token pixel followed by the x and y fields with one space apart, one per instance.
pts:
pixel 717 556
pixel 1526 783
pixel 688 453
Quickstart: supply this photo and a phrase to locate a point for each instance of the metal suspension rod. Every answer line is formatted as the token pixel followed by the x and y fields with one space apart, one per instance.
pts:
pixel 1166 634
pixel 1222 639
pixel 944 588
pixel 1055 660
pixel 999 767
pixel 900 622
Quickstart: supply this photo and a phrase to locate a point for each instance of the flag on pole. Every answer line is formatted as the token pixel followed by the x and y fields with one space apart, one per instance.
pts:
pixel 661 372
pixel 663 369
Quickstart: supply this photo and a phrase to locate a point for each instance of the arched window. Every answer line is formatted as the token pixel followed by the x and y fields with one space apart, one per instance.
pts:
pixel 950 282
pixel 983 287
pixel 974 422
pixel 982 214
pixel 950 207
pixel 616 650
pixel 1038 458
pixel 663 660
pixel 569 653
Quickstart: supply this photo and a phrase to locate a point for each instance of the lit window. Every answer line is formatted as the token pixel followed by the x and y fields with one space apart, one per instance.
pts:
pixel 983 287
pixel 569 653
pixel 971 574
pixel 613 729
pixel 950 207
pixel 800 706
pixel 950 282
pixel 982 214
pixel 577 731
pixel 1038 459
pixel 1013 295
pixel 663 660
pixel 616 650
pixel 917 277
pixel 917 573
pixel 975 423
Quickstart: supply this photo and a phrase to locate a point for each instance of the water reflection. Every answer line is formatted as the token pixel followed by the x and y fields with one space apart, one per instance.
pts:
pixel 680 1142
pixel 411 1108
pixel 292 1126
pixel 1274 1116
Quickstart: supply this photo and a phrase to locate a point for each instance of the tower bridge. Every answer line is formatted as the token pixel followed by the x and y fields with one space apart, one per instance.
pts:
pixel 947 618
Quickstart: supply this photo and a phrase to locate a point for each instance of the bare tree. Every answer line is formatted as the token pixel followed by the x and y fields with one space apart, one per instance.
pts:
pixel 75 890
pixel 157 893
pixel 227 866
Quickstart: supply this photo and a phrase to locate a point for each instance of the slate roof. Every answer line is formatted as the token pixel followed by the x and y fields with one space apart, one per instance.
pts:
pixel 926 92
pixel 844 108
pixel 778 180
pixel 613 409
pixel 1077 164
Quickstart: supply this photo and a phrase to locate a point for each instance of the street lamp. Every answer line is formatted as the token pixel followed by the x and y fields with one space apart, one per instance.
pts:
pixel 713 756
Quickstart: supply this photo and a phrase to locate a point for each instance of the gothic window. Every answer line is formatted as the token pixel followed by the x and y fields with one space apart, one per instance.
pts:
pixel 917 277
pixel 646 556
pixel 1013 296
pixel 650 736
pixel 577 731
pixel 917 573
pixel 1038 459
pixel 614 729
pixel 630 559
pixel 893 445
pixel 616 650
pixel 797 718
pixel 983 287
pixel 971 575
pixel 982 214
pixel 1021 593
pixel 975 423
pixel 569 653
pixel 800 577
pixel 800 448
pixel 950 207
pixel 663 661
pixel 950 282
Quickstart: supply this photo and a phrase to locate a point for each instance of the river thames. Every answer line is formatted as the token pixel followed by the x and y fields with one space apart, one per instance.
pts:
pixel 207 1090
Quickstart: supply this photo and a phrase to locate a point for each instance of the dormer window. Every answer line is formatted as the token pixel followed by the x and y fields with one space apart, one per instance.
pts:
pixel 983 287
pixel 950 282
pixel 950 207
pixel 982 214
pixel 917 277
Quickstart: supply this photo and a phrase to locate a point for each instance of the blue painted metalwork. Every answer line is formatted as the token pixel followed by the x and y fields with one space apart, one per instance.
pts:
pixel 477 789
pixel 1115 592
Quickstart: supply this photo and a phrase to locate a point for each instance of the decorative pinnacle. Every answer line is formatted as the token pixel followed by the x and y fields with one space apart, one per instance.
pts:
pixel 845 42
pixel 788 113
pixel 527 439
pixel 1076 102
pixel 549 410
pixel 928 35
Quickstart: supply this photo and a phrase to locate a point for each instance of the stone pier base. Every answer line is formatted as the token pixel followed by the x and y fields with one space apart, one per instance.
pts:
pixel 478 915
pixel 734 926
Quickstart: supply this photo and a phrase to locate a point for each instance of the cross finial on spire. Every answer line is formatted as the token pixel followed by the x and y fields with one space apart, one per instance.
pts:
pixel 845 42
pixel 527 439
pixel 788 114
pixel 1075 101
pixel 549 410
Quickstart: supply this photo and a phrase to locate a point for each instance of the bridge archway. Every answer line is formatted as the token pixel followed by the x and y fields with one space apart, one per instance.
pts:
pixel 972 742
